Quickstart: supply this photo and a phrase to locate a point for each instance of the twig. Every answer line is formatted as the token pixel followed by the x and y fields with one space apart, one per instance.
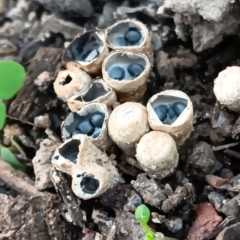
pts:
pixel 232 153
pixel 72 203
pixel 20 181
pixel 225 146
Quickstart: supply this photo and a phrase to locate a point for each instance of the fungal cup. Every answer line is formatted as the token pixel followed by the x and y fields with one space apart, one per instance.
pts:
pixel 92 171
pixel 131 36
pixel 65 156
pixel 88 50
pixel 91 121
pixel 98 91
pixel 127 74
pixel 71 81
pixel 171 111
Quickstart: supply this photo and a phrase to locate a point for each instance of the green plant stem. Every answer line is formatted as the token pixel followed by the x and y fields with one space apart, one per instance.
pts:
pixel 17 147
pixel 149 232
pixel 147 228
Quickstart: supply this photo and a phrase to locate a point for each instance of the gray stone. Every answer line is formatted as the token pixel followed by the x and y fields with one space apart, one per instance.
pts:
pixel 210 10
pixel 216 199
pixel 107 17
pixel 231 208
pixel 208 34
pixel 208 21
pixel 54 24
pixel 72 8
pixel 202 161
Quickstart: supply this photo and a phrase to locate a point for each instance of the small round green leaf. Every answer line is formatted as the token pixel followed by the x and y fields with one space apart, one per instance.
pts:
pixel 10 158
pixel 12 77
pixel 142 214
pixel 2 114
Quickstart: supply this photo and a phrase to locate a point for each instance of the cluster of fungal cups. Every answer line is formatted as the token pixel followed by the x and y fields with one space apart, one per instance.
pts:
pixel 104 81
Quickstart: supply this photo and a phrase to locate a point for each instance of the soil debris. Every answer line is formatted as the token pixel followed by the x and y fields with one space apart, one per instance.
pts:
pixel 149 190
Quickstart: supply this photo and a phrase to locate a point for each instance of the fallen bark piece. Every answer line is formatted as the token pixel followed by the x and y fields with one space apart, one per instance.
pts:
pixel 71 201
pixel 218 182
pixel 42 163
pixel 29 102
pixel 20 182
pixel 206 225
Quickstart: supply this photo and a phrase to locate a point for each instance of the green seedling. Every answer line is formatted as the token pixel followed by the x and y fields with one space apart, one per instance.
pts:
pixel 142 215
pixel 12 77
pixel 9 157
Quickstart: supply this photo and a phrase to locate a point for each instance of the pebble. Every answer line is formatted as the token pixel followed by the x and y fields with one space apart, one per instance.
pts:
pixel 96 132
pixel 85 127
pixel 120 41
pixel 97 119
pixel 161 111
pixel 92 55
pixel 178 108
pixel 133 35
pixel 135 69
pixel 89 185
pixel 116 73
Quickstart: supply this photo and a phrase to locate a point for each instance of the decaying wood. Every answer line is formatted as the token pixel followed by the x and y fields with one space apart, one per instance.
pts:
pixel 32 201
pixel 30 102
pixel 20 182
pixel 71 201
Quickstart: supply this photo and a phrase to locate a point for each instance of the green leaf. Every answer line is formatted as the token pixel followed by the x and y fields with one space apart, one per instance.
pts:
pixel 142 214
pixel 2 114
pixel 10 158
pixel 12 77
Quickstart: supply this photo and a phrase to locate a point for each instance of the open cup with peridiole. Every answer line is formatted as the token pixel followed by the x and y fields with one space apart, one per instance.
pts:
pixel 92 171
pixel 127 74
pixel 131 36
pixel 91 121
pixel 171 111
pixel 88 50
pixel 97 92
